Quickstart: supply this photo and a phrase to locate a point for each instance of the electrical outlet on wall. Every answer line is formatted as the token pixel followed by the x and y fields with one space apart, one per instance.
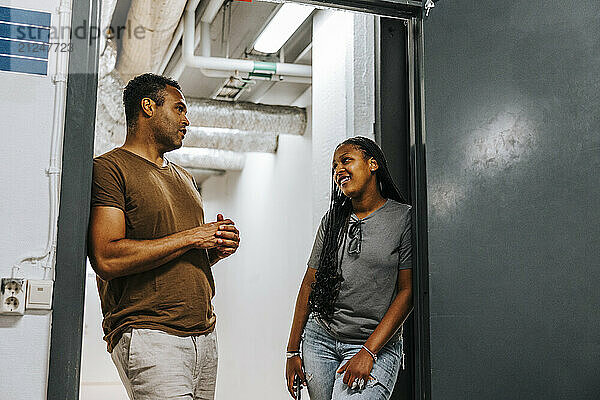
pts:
pixel 12 296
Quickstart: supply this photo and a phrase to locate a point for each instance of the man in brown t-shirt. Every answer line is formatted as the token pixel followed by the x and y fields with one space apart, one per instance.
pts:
pixel 153 253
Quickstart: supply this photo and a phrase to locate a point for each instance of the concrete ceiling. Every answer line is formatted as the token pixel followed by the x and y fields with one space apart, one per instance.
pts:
pixel 247 21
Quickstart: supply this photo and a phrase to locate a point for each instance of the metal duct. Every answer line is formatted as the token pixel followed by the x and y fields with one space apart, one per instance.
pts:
pixel 143 52
pixel 191 157
pixel 248 116
pixel 230 139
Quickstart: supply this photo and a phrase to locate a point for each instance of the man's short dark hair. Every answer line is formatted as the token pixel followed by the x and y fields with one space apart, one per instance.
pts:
pixel 146 85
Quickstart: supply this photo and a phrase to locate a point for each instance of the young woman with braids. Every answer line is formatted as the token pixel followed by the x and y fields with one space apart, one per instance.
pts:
pixel 357 290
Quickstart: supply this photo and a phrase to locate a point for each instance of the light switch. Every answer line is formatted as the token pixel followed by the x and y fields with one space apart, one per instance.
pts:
pixel 39 294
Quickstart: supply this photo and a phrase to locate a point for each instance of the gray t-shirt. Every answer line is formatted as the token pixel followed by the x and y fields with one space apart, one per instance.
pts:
pixel 370 277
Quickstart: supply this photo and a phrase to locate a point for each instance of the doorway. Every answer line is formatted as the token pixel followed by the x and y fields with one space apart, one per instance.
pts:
pixel 407 149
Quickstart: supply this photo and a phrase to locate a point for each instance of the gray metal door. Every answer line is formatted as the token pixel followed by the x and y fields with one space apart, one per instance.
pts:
pixel 513 136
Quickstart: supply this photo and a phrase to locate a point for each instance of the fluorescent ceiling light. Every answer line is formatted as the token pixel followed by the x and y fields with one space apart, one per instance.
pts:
pixel 282 26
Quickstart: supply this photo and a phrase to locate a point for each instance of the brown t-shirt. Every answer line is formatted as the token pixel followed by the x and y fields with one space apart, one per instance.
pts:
pixel 157 202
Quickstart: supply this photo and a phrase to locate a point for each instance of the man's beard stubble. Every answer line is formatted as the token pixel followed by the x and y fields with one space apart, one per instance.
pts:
pixel 167 142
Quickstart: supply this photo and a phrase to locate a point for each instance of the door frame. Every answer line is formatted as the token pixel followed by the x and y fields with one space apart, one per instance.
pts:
pixel 74 208
pixel 399 131
pixel 416 100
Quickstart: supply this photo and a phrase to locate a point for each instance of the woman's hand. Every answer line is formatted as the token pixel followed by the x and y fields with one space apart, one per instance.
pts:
pixel 293 368
pixel 357 368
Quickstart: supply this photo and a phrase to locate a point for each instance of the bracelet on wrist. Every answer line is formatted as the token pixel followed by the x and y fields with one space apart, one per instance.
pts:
pixel 370 353
pixel 291 354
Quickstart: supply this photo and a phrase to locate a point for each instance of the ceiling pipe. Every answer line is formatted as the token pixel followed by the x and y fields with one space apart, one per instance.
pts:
pixel 227 64
pixel 219 67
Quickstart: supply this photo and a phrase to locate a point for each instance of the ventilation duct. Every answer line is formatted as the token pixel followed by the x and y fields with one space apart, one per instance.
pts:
pixel 143 52
pixel 190 157
pixel 249 116
pixel 230 139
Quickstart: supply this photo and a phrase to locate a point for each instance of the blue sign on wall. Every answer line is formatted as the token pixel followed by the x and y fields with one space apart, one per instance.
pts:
pixel 24 40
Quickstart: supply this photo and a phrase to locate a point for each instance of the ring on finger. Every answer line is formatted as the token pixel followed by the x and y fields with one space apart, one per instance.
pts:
pixel 361 383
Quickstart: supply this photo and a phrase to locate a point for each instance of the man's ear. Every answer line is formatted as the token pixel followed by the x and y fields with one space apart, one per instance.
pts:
pixel 148 106
pixel 373 166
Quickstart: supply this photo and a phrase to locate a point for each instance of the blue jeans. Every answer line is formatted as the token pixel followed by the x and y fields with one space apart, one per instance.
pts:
pixel 323 355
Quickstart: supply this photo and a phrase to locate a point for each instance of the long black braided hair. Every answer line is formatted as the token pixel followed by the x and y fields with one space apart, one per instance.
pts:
pixel 326 287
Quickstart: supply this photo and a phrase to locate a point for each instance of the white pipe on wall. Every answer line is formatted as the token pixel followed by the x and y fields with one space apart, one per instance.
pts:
pixel 205 36
pixel 54 169
pixel 212 73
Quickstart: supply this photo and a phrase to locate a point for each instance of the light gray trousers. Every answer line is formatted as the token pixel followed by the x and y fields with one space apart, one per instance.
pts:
pixel 154 365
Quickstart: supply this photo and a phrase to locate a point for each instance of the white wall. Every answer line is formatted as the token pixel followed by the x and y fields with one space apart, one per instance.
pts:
pixel 343 90
pixel 27 110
